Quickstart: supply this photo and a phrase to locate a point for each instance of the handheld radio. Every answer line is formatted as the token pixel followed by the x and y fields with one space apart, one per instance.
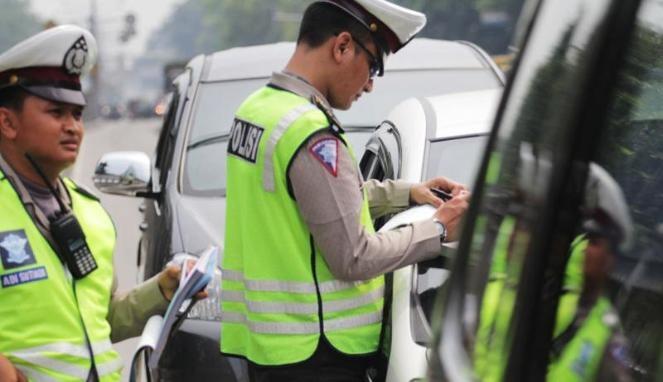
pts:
pixel 68 235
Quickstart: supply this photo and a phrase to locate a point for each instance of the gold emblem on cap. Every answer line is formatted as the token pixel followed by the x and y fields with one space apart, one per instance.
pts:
pixel 13 79
pixel 374 27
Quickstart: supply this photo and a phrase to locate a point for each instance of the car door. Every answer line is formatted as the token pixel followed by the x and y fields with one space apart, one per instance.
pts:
pixel 530 297
pixel 154 244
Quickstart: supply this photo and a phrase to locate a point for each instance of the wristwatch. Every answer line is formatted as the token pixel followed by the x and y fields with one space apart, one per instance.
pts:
pixel 441 230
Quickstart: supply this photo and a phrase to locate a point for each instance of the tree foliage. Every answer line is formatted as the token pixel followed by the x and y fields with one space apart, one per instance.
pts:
pixel 16 23
pixel 203 26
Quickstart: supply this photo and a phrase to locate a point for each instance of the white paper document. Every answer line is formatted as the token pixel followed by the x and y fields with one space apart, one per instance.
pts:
pixel 158 330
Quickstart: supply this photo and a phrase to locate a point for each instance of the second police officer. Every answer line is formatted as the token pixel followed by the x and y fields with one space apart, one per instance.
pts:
pixel 59 309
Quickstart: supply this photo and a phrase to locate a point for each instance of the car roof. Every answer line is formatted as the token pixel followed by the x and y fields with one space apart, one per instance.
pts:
pixel 261 60
pixel 465 113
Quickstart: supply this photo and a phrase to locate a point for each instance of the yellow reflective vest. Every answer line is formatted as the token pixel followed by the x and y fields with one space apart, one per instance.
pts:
pixel 49 323
pixel 278 295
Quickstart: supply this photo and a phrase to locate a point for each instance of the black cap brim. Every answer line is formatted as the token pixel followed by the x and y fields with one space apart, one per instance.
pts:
pixel 74 97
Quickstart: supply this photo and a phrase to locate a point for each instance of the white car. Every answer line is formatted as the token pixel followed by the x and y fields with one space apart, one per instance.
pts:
pixel 422 138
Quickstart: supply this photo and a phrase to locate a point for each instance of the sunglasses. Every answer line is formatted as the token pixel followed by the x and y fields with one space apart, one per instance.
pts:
pixel 373 63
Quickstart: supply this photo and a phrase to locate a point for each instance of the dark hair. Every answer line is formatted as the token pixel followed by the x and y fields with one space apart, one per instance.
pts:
pixel 322 21
pixel 13 98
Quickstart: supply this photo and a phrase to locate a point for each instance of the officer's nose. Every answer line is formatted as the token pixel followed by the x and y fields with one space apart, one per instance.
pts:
pixel 71 123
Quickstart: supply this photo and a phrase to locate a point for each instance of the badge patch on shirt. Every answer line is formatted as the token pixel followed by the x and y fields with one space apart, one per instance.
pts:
pixel 15 250
pixel 244 140
pixel 22 277
pixel 326 152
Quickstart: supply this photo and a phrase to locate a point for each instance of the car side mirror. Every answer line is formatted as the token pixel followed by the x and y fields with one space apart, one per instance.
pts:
pixel 124 173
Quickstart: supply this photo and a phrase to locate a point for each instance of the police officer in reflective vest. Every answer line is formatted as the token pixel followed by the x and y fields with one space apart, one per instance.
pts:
pixel 58 306
pixel 302 291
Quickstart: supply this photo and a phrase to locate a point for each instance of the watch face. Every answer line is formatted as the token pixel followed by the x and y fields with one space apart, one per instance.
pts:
pixel 441 229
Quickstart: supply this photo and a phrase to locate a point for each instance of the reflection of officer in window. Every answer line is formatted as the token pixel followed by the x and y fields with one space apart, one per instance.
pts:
pixel 589 344
pixel 58 306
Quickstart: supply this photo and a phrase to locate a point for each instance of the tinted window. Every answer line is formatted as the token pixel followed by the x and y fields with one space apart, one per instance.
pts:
pixel 205 159
pixel 513 212
pixel 216 104
pixel 628 274
pixel 590 218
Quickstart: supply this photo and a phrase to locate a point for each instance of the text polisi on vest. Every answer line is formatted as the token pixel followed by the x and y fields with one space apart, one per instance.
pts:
pixel 244 140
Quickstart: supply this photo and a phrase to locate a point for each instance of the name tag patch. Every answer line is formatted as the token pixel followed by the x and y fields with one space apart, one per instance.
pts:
pixel 22 277
pixel 15 250
pixel 244 140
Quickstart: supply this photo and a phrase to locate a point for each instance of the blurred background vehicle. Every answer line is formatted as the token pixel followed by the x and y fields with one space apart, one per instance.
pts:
pixel 112 112
pixel 184 208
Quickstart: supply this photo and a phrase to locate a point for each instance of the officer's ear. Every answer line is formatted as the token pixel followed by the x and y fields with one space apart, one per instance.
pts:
pixel 7 123
pixel 341 47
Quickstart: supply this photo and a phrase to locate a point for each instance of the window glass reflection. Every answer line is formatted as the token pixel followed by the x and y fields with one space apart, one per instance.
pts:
pixel 630 150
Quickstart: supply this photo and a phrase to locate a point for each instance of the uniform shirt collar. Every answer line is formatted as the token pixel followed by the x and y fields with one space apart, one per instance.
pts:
pixel 26 197
pixel 299 86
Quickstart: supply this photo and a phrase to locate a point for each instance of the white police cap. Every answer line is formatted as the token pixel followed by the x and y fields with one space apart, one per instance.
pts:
pixel 391 25
pixel 50 63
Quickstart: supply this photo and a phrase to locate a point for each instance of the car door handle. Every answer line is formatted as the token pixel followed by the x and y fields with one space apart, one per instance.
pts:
pixel 143 227
pixel 142 207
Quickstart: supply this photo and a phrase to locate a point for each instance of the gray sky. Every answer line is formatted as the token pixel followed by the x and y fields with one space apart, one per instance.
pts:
pixel 150 14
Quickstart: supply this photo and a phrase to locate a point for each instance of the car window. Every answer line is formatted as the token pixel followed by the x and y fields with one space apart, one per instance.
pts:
pixel 624 272
pixel 591 216
pixel 216 103
pixel 456 158
pixel 205 157
pixel 511 219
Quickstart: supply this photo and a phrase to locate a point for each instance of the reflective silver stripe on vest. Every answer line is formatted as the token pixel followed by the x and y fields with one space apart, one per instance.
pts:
pixel 280 129
pixel 41 356
pixel 287 286
pixel 303 308
pixel 301 327
pixel 34 375
pixel 101 347
pixel 109 367
pixel 58 366
pixel 61 348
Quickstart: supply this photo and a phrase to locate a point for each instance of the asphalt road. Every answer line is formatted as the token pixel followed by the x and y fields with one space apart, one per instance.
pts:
pixel 122 135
